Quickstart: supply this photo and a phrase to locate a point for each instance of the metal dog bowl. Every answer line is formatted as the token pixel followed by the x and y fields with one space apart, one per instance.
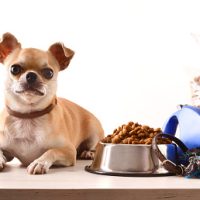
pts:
pixel 129 160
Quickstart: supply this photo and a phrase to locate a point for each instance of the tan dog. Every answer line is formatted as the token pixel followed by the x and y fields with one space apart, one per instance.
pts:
pixel 36 127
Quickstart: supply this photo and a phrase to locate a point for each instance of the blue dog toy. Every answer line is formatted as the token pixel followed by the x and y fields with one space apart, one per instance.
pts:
pixel 188 121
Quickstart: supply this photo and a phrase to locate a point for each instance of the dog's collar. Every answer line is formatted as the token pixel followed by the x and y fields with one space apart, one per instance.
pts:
pixel 34 114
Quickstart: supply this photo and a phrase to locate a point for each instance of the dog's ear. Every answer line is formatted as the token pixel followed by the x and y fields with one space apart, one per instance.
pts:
pixel 62 54
pixel 7 45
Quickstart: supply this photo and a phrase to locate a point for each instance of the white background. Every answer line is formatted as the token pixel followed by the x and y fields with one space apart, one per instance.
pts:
pixel 132 57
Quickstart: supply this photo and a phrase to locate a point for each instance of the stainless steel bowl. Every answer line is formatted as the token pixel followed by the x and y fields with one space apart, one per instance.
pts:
pixel 128 159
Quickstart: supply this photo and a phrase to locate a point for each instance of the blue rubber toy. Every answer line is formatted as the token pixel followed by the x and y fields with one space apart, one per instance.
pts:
pixel 187 119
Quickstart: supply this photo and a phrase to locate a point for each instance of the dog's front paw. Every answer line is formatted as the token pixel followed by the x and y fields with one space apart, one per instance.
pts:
pixel 38 167
pixel 87 155
pixel 2 162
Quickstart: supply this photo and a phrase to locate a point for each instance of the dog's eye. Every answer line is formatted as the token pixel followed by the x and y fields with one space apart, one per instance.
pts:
pixel 16 69
pixel 47 73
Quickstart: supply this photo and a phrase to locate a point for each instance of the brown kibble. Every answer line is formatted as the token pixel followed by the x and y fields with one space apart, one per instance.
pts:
pixel 130 140
pixel 141 135
pixel 134 133
pixel 120 133
pixel 134 136
pixel 151 135
pixel 129 127
pixel 142 141
pixel 124 131
pixel 119 128
pixel 145 127
pixel 107 140
pixel 139 131
pixel 148 141
pixel 131 132
pixel 157 130
pixel 133 126
pixel 125 141
pixel 115 131
pixel 116 139
pixel 121 137
pixel 136 129
pixel 130 123
pixel 136 124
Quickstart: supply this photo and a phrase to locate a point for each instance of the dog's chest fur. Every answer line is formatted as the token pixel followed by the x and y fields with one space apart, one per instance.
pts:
pixel 25 138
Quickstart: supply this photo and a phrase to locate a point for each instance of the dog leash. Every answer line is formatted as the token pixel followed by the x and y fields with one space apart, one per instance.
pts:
pixel 168 164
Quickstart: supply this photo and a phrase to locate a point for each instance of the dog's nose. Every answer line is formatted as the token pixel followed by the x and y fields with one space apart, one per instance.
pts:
pixel 31 77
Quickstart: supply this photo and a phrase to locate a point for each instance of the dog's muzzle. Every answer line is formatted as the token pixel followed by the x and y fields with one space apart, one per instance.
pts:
pixel 31 85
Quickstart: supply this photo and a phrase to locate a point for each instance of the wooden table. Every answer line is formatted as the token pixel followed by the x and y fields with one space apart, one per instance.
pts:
pixel 75 183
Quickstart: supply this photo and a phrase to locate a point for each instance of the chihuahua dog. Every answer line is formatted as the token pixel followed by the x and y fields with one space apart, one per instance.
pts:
pixel 36 127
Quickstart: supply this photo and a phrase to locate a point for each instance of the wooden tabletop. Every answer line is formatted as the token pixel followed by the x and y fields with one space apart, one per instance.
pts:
pixel 76 183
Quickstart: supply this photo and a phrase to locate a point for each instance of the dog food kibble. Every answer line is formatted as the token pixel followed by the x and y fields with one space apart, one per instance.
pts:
pixel 134 133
